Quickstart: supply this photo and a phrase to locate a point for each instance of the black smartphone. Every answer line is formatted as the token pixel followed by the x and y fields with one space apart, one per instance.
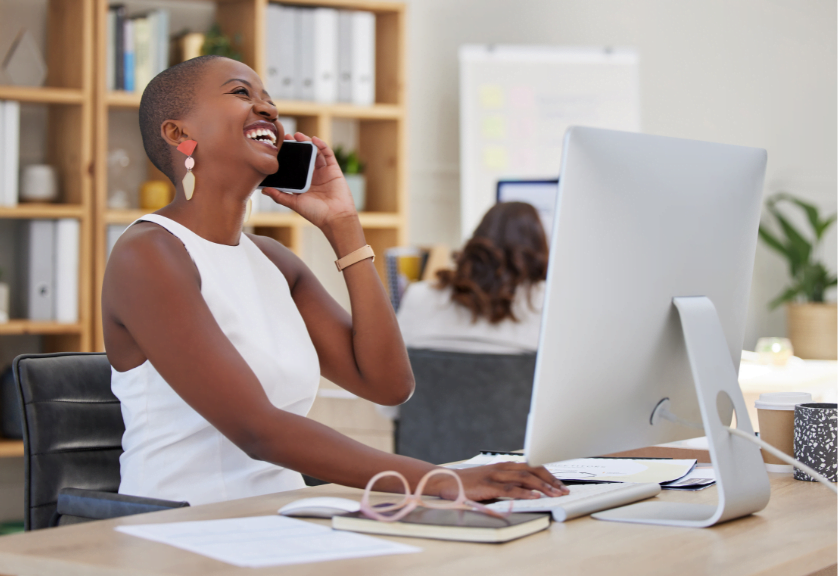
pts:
pixel 296 165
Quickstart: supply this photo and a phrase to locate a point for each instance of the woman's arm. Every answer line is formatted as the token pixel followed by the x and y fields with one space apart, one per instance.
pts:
pixel 153 295
pixel 364 353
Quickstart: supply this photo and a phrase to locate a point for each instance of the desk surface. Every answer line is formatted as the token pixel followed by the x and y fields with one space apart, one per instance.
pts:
pixel 795 534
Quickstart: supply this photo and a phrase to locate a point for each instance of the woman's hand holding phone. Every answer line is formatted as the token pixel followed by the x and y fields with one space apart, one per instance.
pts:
pixel 328 200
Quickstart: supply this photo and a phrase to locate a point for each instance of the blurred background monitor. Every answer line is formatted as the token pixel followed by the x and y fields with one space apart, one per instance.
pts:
pixel 542 194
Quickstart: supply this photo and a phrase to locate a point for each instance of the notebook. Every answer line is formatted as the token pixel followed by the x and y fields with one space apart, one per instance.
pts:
pixel 448 524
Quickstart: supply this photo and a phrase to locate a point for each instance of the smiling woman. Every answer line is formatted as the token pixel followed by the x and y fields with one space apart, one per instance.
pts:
pixel 217 339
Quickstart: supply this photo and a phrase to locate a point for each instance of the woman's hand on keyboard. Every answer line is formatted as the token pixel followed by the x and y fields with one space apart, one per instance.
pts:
pixel 516 480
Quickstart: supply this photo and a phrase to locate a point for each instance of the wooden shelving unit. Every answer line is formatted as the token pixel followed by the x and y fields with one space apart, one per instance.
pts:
pixel 68 100
pixel 78 105
pixel 382 129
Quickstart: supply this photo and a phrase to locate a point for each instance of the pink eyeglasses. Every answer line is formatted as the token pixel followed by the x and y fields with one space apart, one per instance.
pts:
pixel 411 501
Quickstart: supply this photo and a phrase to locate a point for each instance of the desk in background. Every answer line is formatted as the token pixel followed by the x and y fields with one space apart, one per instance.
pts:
pixel 351 416
pixel 795 534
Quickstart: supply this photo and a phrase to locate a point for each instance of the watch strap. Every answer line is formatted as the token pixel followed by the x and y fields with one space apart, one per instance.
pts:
pixel 364 252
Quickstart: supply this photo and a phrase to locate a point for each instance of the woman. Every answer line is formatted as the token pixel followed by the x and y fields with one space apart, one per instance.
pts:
pixel 491 301
pixel 217 339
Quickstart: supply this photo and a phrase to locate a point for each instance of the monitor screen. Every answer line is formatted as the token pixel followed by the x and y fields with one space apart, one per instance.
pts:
pixel 542 194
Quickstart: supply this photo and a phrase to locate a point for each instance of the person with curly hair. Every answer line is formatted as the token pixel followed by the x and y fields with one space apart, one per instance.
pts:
pixel 490 301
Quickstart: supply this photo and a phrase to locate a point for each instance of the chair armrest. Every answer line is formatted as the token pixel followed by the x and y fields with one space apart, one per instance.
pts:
pixel 88 504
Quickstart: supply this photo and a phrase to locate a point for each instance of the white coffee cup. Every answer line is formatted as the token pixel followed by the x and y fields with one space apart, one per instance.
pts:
pixel 38 183
pixel 776 425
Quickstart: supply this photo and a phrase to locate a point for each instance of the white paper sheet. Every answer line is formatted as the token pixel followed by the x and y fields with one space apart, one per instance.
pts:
pixel 622 470
pixel 602 469
pixel 254 542
pixel 701 477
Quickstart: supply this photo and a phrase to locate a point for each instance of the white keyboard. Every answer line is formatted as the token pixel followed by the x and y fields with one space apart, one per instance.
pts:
pixel 582 500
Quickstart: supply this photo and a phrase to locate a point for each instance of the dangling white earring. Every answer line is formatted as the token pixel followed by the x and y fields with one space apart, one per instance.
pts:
pixel 187 148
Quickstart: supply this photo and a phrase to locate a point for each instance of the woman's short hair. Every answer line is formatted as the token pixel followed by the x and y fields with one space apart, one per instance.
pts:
pixel 508 249
pixel 169 95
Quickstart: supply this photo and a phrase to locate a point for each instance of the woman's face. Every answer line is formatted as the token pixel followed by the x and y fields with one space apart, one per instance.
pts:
pixel 234 120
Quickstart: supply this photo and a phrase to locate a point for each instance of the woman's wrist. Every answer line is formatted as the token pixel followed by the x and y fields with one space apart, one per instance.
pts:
pixel 345 234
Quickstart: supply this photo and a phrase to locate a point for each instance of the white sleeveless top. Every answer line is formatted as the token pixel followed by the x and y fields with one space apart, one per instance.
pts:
pixel 172 452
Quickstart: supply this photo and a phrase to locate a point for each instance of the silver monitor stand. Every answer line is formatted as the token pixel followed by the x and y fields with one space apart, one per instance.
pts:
pixel 740 474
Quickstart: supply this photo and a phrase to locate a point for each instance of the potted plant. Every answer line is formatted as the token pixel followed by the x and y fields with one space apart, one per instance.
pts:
pixel 353 170
pixel 218 43
pixel 4 300
pixel 812 323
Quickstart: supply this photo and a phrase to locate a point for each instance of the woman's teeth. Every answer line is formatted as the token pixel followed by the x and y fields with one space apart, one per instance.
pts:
pixel 264 135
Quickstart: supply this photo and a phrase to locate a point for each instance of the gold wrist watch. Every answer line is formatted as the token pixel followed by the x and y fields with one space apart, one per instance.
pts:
pixel 364 252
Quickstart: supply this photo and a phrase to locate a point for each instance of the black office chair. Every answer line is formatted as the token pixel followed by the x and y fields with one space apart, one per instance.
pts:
pixel 72 439
pixel 465 403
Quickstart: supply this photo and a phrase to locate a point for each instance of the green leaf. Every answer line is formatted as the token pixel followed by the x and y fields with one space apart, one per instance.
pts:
pixel 810 210
pixel 772 242
pixel 348 161
pixel 812 279
pixel 799 248
pixel 824 226
pixel 787 295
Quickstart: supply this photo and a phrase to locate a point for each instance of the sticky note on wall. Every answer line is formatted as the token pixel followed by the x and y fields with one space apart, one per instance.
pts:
pixel 493 127
pixel 491 96
pixel 495 157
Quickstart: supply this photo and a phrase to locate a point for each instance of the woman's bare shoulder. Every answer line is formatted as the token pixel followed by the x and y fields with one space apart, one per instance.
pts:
pixel 147 245
pixel 145 255
pixel 146 261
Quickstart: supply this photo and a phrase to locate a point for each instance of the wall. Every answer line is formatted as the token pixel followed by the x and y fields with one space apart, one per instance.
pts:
pixel 749 72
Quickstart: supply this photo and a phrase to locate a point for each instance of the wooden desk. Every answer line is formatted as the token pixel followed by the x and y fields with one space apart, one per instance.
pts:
pixel 795 534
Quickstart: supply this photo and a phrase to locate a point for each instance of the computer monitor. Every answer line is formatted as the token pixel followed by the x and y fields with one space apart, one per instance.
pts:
pixel 542 194
pixel 644 309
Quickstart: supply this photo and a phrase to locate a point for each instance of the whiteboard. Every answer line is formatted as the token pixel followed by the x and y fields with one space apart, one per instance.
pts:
pixel 516 102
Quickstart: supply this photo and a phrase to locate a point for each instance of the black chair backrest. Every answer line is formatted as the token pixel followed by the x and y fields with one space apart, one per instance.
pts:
pixel 465 403
pixel 72 428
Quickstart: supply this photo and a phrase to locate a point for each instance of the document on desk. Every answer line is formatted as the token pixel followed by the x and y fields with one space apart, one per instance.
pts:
pixel 701 477
pixel 621 470
pixel 271 540
pixel 601 470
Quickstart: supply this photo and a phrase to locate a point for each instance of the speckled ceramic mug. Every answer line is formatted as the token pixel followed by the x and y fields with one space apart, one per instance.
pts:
pixel 815 428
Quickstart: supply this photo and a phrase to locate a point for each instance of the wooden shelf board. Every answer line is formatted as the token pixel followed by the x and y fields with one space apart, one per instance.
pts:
pixel 28 327
pixel 33 210
pixel 289 219
pixel 124 216
pixel 309 108
pixel 56 95
pixel 369 5
pixel 274 219
pixel 381 220
pixel 11 448
pixel 123 99
pixel 292 108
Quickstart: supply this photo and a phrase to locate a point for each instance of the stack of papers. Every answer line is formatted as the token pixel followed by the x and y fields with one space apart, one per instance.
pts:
pixel 669 473
pixel 616 470
pixel 272 540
